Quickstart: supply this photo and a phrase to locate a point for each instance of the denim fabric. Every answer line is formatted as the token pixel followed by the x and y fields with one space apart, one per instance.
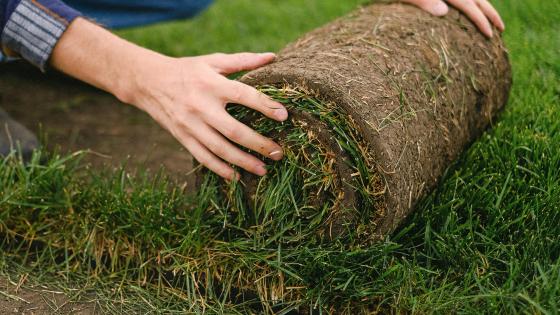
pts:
pixel 127 13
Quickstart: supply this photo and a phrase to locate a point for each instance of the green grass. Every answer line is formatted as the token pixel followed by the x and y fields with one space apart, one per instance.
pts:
pixel 240 25
pixel 486 241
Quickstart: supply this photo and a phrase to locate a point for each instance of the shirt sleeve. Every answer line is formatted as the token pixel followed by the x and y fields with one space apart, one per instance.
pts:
pixel 31 28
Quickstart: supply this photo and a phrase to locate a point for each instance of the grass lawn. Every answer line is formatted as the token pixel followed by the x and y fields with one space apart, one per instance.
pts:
pixel 486 241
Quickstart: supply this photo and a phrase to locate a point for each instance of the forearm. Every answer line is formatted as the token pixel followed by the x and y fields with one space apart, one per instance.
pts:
pixel 94 55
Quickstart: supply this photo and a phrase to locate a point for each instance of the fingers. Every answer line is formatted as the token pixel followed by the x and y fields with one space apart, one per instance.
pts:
pixel 206 158
pixel 216 150
pixel 204 138
pixel 491 13
pixel 472 10
pixel 225 150
pixel 232 63
pixel 206 130
pixel 478 11
pixel 243 94
pixel 245 136
pixel 434 7
pixel 225 125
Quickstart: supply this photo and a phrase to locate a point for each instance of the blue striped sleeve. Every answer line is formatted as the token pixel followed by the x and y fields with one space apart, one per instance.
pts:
pixel 31 28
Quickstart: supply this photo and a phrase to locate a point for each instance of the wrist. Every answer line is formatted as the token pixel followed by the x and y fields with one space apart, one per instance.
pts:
pixel 94 55
pixel 138 73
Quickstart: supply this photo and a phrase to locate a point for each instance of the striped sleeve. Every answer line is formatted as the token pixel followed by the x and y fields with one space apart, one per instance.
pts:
pixel 31 28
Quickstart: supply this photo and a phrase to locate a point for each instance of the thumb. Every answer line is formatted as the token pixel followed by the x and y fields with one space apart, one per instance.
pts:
pixel 232 63
pixel 435 7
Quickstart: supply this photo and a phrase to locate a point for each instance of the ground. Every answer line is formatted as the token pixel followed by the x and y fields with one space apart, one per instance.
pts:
pixel 490 226
pixel 38 300
pixel 72 116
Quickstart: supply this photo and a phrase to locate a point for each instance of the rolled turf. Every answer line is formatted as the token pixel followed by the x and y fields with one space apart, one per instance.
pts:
pixel 388 97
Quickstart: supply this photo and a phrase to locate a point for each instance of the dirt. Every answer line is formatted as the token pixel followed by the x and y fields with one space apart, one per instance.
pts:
pixel 73 116
pixel 35 300
pixel 420 89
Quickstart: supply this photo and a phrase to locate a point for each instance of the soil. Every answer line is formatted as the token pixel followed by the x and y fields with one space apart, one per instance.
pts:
pixel 73 116
pixel 35 300
pixel 419 88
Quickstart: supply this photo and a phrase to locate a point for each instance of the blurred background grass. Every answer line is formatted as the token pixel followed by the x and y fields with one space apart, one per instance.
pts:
pixel 240 25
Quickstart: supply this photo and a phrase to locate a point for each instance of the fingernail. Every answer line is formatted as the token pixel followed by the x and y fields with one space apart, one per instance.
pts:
pixel 233 177
pixel 281 113
pixel 268 54
pixel 440 8
pixel 276 155
pixel 260 170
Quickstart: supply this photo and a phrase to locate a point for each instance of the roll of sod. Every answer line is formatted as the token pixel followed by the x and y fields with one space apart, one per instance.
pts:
pixel 381 103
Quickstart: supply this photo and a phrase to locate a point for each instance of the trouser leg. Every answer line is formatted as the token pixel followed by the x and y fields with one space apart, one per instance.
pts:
pixel 127 13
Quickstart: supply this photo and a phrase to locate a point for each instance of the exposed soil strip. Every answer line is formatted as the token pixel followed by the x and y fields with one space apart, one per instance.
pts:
pixel 72 116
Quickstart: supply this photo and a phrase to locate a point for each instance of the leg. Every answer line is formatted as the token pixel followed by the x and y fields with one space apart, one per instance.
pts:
pixel 126 13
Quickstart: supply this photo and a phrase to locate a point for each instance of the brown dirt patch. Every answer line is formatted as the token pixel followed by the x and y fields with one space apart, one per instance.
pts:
pixel 31 300
pixel 74 116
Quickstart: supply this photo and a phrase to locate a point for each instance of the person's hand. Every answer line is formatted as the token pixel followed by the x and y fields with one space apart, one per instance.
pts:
pixel 188 97
pixel 481 12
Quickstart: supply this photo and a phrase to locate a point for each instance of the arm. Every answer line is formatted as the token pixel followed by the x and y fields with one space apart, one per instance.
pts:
pixel 187 96
pixel 481 12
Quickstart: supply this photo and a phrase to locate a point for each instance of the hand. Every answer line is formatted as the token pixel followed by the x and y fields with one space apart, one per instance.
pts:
pixel 188 97
pixel 481 12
